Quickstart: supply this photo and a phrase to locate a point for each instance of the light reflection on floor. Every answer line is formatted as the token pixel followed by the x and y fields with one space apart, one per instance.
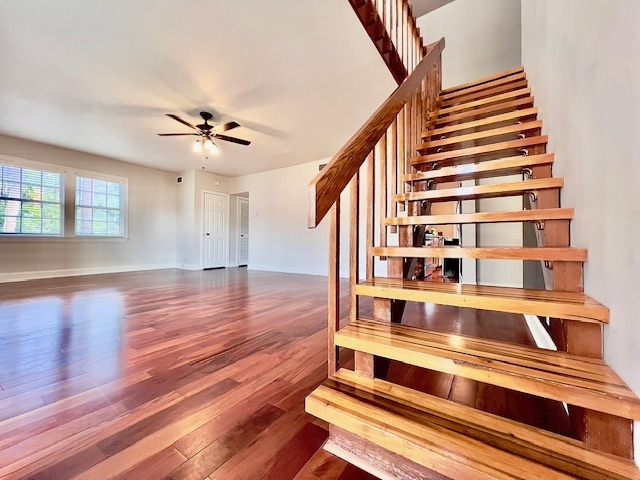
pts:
pixel 62 337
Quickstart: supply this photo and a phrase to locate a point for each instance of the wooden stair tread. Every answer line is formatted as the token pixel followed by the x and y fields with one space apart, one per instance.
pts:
pixel 482 191
pixel 479 113
pixel 485 86
pixel 559 254
pixel 487 169
pixel 537 215
pixel 489 92
pixel 544 303
pixel 495 76
pixel 467 154
pixel 511 129
pixel 502 97
pixel 493 119
pixel 443 421
pixel 581 381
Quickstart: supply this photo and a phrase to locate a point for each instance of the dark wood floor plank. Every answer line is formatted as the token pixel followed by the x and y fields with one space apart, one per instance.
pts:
pixel 218 452
pixel 296 452
pixel 155 466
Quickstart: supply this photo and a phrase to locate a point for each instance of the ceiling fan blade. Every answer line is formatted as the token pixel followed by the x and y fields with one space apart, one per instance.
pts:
pixel 225 126
pixel 178 119
pixel 231 139
pixel 176 134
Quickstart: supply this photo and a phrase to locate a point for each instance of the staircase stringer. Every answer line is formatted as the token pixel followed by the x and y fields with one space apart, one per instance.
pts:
pixel 600 431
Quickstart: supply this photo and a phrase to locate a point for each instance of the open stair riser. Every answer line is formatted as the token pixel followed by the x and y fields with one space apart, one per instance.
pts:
pixel 483 94
pixel 482 191
pixel 487 136
pixel 492 168
pixel 483 81
pixel 488 123
pixel 480 113
pixel 484 152
pixel 544 303
pixel 502 365
pixel 487 253
pixel 536 216
pixel 491 101
pixel 508 80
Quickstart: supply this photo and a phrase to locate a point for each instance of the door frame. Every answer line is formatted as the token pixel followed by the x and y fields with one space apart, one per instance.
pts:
pixel 239 229
pixel 202 223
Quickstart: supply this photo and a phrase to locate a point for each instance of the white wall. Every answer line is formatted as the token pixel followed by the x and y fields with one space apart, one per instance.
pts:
pixel 190 215
pixel 279 239
pixel 152 222
pixel 482 38
pixel 582 61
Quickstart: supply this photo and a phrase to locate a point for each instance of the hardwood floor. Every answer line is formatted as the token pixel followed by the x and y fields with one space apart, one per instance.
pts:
pixel 179 374
pixel 164 374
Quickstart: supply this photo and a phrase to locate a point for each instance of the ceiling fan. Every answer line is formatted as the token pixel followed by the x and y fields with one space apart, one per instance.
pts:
pixel 206 132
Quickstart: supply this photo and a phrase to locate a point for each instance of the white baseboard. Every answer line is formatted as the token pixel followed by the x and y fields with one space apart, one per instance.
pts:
pixel 285 269
pixel 74 272
pixel 300 271
pixel 190 267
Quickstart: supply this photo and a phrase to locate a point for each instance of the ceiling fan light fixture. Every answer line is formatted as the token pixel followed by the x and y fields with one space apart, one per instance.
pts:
pixel 211 147
pixel 197 147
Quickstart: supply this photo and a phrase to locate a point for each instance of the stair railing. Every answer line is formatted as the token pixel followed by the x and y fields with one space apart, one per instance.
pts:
pixel 393 30
pixel 386 142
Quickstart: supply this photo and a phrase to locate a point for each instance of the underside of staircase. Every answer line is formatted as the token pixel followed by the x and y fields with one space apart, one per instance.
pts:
pixel 486 129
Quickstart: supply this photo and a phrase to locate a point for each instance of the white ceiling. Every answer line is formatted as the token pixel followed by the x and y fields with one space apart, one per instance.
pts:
pixel 98 76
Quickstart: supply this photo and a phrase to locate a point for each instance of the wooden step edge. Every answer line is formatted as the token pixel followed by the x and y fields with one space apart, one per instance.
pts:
pixel 550 254
pixel 478 95
pixel 481 150
pixel 544 303
pixel 500 369
pixel 495 76
pixel 494 132
pixel 479 113
pixel 537 215
pixel 502 117
pixel 551 449
pixel 490 168
pixel 484 86
pixel 502 97
pixel 482 191
pixel 448 453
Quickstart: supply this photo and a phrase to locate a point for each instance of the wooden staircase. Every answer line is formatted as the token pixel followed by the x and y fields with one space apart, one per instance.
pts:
pixel 483 129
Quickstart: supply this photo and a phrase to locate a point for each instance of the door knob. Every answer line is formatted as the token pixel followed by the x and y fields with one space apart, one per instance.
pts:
pixel 206 234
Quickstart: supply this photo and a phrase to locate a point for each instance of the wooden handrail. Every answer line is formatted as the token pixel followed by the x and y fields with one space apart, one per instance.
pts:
pixel 325 188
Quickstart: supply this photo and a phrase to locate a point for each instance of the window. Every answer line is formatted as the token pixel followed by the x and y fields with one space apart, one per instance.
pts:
pixel 30 201
pixel 100 207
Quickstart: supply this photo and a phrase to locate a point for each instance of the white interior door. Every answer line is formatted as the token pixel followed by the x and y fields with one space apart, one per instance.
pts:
pixel 243 247
pixel 215 230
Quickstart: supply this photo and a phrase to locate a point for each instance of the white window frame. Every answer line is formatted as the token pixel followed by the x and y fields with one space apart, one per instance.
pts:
pixel 124 208
pixel 44 167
